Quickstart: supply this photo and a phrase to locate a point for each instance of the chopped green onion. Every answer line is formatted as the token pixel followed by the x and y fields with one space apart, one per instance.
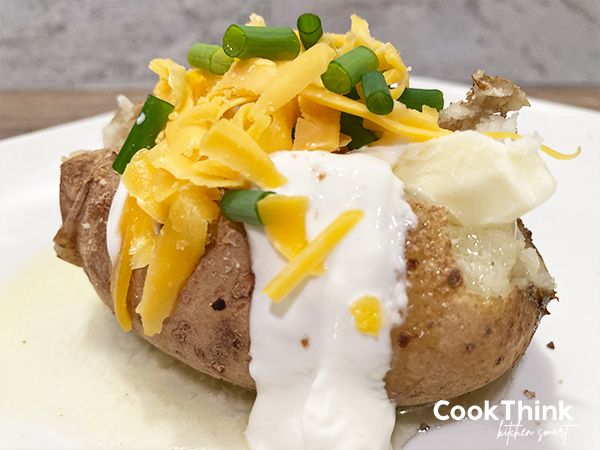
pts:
pixel 416 98
pixel 377 93
pixel 353 126
pixel 275 43
pixel 353 94
pixel 309 29
pixel 241 206
pixel 344 72
pixel 209 57
pixel 150 122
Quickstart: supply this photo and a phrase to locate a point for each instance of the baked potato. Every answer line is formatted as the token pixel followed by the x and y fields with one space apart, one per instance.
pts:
pixel 454 339
pixel 236 194
pixel 294 219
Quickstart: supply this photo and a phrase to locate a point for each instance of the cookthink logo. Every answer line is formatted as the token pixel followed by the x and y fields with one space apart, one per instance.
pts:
pixel 516 419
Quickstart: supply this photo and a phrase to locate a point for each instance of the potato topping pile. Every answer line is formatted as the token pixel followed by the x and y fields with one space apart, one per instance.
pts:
pixel 209 130
pixel 218 136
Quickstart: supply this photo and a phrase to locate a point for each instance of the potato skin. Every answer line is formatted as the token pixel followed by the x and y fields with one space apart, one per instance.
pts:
pixel 451 342
pixel 210 339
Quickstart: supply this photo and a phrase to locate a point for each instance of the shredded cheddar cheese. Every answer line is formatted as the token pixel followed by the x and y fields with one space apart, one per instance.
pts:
pixel 318 128
pixel 402 121
pixel 179 247
pixel 137 242
pixel 549 151
pixel 256 20
pixel 206 173
pixel 233 147
pixel 284 221
pixel 279 133
pixel 176 85
pixel 143 238
pixel 298 74
pixel 367 314
pixel 304 263
pixel 139 178
pixel 247 77
pixel 283 218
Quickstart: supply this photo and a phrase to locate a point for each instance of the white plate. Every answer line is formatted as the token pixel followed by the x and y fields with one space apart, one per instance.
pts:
pixel 70 378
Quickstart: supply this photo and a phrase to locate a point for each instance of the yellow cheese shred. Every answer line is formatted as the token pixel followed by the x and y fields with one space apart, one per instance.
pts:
pixel 302 71
pixel 247 77
pixel 143 239
pixel 137 236
pixel 165 185
pixel 199 173
pixel 283 218
pixel 318 128
pixel 213 168
pixel 305 262
pixel 174 85
pixel 278 136
pixel 367 314
pixel 232 146
pixel 179 247
pixel 140 178
pixel 549 151
pixel 256 20
pixel 422 131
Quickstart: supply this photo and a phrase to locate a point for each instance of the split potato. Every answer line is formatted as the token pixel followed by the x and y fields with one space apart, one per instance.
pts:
pixel 454 339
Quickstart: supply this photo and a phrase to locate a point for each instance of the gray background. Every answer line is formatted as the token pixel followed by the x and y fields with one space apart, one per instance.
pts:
pixel 88 44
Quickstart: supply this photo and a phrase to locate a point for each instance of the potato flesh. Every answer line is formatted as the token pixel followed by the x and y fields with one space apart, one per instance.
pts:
pixel 492 258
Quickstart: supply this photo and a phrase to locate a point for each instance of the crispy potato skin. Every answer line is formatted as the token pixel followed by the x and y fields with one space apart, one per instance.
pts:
pixel 489 95
pixel 213 341
pixel 452 341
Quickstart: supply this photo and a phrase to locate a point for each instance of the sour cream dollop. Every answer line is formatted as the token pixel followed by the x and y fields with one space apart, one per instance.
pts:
pixel 320 382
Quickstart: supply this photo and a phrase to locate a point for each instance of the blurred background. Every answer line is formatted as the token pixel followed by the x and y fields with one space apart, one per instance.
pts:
pixel 65 59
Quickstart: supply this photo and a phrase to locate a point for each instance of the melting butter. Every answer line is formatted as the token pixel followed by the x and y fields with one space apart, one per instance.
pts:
pixel 480 180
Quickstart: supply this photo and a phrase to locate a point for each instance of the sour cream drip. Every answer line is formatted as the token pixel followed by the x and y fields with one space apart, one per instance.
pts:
pixel 319 381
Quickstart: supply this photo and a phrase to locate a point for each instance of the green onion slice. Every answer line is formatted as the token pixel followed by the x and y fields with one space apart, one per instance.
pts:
pixel 353 126
pixel 275 43
pixel 353 94
pixel 209 57
pixel 377 93
pixel 309 29
pixel 416 98
pixel 150 122
pixel 241 206
pixel 344 72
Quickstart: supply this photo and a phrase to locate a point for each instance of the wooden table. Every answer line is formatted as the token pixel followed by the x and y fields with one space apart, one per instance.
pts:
pixel 22 111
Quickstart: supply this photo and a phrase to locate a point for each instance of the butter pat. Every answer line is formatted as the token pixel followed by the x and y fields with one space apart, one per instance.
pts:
pixel 480 180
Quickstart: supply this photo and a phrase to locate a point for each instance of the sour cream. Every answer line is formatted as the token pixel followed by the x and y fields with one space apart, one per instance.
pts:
pixel 113 236
pixel 320 382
